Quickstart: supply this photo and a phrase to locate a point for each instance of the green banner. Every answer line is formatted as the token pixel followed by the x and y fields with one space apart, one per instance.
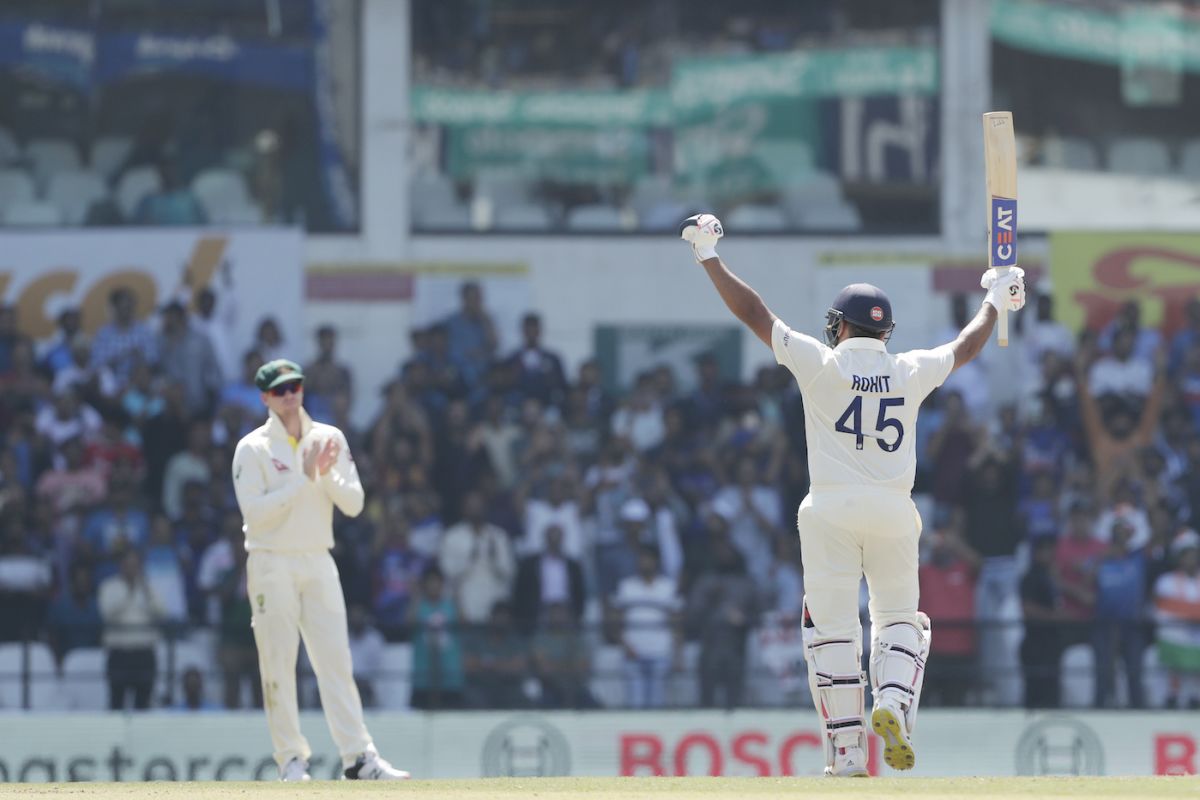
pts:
pixel 740 126
pixel 639 107
pixel 698 85
pixel 1150 35
pixel 574 154
pixel 703 85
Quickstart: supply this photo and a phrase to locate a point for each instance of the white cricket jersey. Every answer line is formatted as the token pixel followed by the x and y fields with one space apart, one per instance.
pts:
pixel 860 406
pixel 282 509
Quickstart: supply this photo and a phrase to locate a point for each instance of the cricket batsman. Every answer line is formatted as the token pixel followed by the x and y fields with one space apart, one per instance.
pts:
pixel 860 414
pixel 288 476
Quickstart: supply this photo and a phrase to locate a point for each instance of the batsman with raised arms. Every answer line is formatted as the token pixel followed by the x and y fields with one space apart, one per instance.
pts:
pixel 288 475
pixel 860 413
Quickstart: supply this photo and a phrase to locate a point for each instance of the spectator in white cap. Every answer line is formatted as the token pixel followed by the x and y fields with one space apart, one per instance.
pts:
pixel 1177 612
pixel 639 528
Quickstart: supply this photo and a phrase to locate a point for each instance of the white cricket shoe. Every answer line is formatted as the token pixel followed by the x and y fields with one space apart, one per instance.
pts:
pixel 887 720
pixel 371 766
pixel 295 770
pixel 848 762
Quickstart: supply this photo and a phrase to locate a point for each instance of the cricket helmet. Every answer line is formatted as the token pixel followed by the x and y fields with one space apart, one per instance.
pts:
pixel 862 305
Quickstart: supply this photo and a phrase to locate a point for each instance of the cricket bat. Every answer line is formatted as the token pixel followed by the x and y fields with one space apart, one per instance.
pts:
pixel 1000 158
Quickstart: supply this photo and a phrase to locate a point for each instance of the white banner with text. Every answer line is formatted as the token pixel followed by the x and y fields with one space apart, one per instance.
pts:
pixel 235 746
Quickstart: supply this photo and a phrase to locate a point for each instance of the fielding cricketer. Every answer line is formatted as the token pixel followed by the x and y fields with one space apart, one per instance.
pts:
pixel 288 475
pixel 860 414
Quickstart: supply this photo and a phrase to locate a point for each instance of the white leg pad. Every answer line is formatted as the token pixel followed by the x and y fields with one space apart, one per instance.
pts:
pixel 898 656
pixel 836 680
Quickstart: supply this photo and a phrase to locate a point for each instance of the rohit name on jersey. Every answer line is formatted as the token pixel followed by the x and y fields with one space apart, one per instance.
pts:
pixel 871 383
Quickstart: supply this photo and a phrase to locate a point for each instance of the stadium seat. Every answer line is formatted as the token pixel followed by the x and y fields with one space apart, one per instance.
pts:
pixel 1156 683
pixel 1139 155
pixel 756 218
pixel 840 216
pixel 74 191
pixel 32 214
pixel 133 186
pixel 44 693
pixel 244 213
pixel 187 653
pixel 1189 160
pixel 84 685
pixel 815 189
pixel 220 189
pixel 607 684
pixel 597 217
pixel 393 684
pixel 48 156
pixel 10 150
pixel 683 687
pixel 1078 679
pixel 436 217
pixel 1069 152
pixel 651 191
pixel 503 187
pixel 109 153
pixel 432 189
pixel 16 186
pixel 816 186
pixel 522 217
pixel 664 216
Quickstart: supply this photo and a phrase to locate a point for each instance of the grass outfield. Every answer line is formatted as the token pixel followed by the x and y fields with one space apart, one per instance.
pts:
pixel 620 788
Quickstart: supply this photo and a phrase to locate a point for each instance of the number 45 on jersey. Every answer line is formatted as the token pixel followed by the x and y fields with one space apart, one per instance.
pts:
pixel 854 414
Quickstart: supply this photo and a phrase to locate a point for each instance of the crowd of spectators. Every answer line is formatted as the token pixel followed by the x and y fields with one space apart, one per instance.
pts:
pixel 520 517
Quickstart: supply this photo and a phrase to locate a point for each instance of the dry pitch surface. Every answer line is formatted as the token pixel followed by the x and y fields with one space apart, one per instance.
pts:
pixel 621 788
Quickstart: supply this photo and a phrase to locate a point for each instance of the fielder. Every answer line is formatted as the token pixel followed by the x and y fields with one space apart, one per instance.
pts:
pixel 860 413
pixel 288 475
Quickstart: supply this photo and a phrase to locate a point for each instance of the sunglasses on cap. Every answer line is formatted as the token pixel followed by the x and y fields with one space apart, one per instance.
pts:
pixel 291 387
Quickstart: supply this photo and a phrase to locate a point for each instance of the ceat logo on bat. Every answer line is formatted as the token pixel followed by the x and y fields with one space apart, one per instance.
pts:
pixel 877 314
pixel 1004 232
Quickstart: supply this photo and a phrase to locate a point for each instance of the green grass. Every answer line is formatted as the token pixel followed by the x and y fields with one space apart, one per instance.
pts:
pixel 621 788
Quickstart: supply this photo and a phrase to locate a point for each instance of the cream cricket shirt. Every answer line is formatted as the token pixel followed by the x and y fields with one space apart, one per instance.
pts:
pixel 860 406
pixel 282 509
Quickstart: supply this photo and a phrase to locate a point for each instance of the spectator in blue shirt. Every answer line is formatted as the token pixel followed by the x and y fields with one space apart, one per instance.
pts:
pixel 1118 631
pixel 124 341
pixel 57 353
pixel 472 333
pixel 114 526
pixel 243 392
pixel 74 617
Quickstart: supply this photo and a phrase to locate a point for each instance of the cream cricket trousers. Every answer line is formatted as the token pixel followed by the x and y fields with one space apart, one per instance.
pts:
pixel 294 595
pixel 846 533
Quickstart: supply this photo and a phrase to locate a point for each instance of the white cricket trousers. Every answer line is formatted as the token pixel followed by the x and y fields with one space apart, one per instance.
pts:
pixel 294 595
pixel 846 533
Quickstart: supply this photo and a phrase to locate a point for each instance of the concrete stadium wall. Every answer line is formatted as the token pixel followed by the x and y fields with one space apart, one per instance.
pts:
pixel 235 746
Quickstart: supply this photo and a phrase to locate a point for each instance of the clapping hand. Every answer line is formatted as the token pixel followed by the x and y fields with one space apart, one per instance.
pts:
pixel 320 459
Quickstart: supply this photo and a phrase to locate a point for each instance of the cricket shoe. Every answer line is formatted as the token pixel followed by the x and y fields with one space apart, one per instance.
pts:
pixel 887 720
pixel 295 770
pixel 373 767
pixel 848 762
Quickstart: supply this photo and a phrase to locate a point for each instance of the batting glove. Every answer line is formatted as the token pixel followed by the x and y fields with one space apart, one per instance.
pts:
pixel 1005 292
pixel 702 231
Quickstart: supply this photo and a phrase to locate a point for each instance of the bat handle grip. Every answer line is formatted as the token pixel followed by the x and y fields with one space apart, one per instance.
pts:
pixel 1002 328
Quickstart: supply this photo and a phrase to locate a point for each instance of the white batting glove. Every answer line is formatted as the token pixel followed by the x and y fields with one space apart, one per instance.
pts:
pixel 1005 292
pixel 702 231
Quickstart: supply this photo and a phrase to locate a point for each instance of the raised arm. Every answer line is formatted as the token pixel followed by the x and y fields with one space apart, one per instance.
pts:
pixel 972 338
pixel 703 231
pixel 1007 292
pixel 743 301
